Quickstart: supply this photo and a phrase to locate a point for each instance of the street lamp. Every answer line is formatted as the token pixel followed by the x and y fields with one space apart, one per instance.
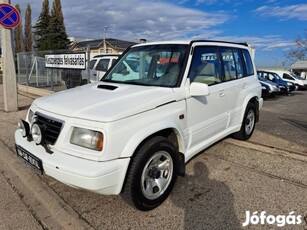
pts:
pixel 104 40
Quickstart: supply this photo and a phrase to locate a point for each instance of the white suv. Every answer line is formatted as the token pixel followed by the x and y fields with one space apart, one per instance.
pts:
pixel 133 135
pixel 98 66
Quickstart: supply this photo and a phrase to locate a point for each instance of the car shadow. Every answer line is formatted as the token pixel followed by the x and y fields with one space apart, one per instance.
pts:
pixel 207 203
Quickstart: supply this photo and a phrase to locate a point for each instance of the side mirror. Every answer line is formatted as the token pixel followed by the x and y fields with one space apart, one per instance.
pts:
pixel 199 89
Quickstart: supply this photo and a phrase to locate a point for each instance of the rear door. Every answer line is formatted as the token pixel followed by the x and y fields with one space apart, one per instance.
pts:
pixel 238 70
pixel 207 116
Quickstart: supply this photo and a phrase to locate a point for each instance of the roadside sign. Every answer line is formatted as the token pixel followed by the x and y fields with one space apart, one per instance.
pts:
pixel 9 16
pixel 65 61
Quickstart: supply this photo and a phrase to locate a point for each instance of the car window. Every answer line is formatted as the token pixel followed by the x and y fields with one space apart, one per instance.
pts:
pixel 296 76
pixel 103 65
pixel 205 67
pixel 269 76
pixel 276 76
pixel 287 76
pixel 248 62
pixel 113 61
pixel 232 63
pixel 239 63
pixel 92 63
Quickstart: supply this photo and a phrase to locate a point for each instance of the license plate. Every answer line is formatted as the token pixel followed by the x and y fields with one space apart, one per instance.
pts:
pixel 32 160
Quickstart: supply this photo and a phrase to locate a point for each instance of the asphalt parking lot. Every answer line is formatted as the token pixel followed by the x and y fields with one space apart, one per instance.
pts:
pixel 267 173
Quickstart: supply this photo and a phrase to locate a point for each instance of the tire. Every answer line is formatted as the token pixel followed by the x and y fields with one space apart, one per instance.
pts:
pixel 152 174
pixel 248 123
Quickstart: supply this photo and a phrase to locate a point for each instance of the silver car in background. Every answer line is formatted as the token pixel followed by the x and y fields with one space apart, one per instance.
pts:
pixel 269 88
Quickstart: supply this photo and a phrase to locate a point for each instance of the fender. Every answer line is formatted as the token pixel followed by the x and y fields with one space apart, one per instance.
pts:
pixel 147 131
pixel 249 97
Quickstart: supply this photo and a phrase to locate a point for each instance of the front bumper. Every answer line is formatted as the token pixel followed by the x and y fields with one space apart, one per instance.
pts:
pixel 100 177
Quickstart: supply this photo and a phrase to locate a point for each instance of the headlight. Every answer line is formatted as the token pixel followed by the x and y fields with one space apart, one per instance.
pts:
pixel 289 84
pixel 24 128
pixel 37 134
pixel 87 138
pixel 30 115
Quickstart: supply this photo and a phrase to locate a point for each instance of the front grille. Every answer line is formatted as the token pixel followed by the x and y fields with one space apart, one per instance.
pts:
pixel 50 126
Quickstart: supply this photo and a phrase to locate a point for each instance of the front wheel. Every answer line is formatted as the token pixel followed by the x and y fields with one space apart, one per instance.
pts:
pixel 152 174
pixel 248 123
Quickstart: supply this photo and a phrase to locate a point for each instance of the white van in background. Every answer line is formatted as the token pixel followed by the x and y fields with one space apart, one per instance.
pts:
pixel 299 82
pixel 99 65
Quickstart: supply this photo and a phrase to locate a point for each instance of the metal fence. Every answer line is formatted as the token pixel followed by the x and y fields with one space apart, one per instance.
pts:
pixel 31 71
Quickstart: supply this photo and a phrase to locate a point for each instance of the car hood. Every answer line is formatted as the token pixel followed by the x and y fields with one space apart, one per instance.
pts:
pixel 105 102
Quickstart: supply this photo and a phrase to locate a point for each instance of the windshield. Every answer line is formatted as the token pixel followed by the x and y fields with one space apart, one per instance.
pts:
pixel 152 65
pixel 296 76
pixel 277 76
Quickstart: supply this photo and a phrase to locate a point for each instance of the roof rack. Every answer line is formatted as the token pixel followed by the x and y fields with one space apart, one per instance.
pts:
pixel 237 43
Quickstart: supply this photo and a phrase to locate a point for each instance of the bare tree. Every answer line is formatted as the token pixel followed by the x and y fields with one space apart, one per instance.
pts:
pixel 299 52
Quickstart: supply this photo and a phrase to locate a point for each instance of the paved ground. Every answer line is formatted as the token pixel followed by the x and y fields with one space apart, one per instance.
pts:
pixel 268 173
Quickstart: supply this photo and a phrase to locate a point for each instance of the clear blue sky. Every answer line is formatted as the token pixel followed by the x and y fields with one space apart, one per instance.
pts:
pixel 269 25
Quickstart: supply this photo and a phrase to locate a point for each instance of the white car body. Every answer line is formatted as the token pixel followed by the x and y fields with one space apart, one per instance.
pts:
pixel 127 114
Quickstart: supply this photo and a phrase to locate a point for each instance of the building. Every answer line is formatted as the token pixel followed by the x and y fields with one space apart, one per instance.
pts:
pixel 300 68
pixel 114 46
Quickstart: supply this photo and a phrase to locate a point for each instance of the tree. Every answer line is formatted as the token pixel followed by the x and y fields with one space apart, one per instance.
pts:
pixel 57 29
pixel 299 53
pixel 28 29
pixel 50 29
pixel 42 35
pixel 18 35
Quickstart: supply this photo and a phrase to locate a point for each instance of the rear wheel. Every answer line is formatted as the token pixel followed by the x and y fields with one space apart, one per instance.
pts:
pixel 152 174
pixel 248 123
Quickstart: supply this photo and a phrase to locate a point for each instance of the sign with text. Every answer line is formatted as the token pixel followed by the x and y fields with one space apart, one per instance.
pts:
pixel 65 61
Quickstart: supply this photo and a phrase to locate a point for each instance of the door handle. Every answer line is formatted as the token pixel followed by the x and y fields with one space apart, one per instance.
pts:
pixel 244 85
pixel 222 94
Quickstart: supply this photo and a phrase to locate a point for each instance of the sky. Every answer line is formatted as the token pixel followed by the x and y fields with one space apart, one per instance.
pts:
pixel 270 26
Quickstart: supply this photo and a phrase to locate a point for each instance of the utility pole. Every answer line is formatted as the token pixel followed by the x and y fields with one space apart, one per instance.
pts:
pixel 9 73
pixel 104 40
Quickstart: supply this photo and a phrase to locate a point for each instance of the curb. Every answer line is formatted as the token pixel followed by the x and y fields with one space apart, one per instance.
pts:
pixel 33 90
pixel 45 205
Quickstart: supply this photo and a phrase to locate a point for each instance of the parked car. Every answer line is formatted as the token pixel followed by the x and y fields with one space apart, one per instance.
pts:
pixel 99 65
pixel 132 133
pixel 299 82
pixel 285 87
pixel 269 88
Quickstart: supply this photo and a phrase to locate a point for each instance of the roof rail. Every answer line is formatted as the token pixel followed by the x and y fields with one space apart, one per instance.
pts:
pixel 237 43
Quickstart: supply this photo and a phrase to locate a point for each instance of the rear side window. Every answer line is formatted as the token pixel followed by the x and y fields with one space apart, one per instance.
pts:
pixel 248 63
pixel 212 65
pixel 232 63
pixel 205 67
